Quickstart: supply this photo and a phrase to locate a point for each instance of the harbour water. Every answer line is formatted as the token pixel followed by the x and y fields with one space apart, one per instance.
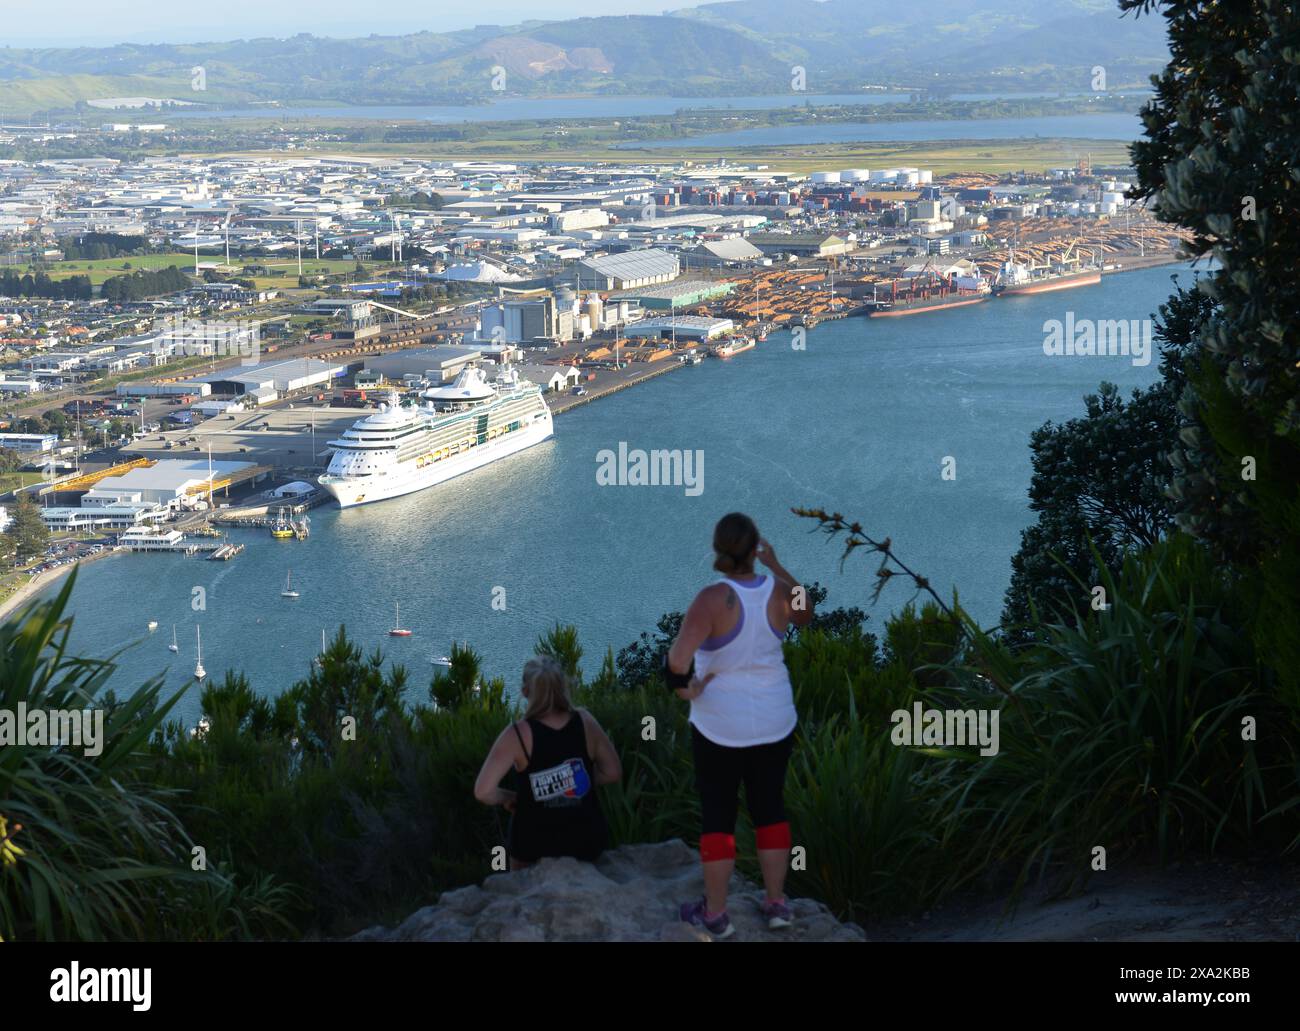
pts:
pixel 859 422
pixel 548 108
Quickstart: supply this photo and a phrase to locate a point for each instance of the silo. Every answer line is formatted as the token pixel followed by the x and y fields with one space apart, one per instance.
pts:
pixel 926 176
pixel 594 311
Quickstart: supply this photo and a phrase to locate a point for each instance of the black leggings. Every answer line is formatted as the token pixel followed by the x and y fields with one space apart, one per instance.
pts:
pixel 719 771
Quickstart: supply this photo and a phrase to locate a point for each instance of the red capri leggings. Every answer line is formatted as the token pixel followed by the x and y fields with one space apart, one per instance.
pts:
pixel 719 772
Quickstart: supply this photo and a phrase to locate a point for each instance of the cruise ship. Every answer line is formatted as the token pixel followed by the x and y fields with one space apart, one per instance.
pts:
pixel 458 427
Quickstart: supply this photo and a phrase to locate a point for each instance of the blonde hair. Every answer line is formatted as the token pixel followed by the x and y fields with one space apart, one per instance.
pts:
pixel 548 687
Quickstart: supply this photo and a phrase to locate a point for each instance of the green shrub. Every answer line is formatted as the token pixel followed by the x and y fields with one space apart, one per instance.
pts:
pixel 104 853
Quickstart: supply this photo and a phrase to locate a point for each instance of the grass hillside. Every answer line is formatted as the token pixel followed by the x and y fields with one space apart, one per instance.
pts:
pixel 736 47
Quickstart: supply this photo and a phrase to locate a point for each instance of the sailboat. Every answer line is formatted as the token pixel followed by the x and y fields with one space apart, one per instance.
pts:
pixel 199 672
pixel 173 647
pixel 288 591
pixel 319 660
pixel 398 630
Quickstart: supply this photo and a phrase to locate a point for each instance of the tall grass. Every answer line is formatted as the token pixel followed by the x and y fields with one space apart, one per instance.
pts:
pixel 104 854
pixel 1124 729
pixel 1121 728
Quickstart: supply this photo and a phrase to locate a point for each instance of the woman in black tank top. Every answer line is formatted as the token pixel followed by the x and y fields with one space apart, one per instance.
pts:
pixel 558 755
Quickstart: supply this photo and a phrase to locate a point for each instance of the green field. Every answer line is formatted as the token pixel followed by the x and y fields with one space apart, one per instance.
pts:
pixel 942 156
pixel 104 269
pixel 107 268
pixel 13 481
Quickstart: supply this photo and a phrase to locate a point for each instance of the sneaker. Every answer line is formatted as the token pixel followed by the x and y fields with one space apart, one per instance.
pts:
pixel 778 915
pixel 694 913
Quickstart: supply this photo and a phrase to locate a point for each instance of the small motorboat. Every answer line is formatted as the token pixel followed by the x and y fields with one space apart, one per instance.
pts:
pixel 153 625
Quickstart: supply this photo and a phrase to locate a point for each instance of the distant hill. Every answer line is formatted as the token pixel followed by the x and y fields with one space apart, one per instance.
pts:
pixel 1050 43
pixel 723 48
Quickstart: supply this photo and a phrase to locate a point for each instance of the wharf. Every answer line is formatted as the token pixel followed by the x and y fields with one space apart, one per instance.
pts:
pixel 182 547
pixel 596 391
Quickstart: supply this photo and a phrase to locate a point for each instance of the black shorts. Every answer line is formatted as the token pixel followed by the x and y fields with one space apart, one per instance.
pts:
pixel 535 837
pixel 719 772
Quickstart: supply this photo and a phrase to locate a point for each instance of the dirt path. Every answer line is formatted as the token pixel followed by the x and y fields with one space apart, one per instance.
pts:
pixel 1201 901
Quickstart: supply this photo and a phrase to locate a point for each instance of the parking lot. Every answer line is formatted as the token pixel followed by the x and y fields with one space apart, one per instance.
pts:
pixel 279 436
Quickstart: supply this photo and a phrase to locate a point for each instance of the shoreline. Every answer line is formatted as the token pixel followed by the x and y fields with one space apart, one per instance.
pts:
pixel 36 584
pixel 1133 263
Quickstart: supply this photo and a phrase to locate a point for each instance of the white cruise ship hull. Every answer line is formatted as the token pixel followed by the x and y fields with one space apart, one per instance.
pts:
pixel 360 490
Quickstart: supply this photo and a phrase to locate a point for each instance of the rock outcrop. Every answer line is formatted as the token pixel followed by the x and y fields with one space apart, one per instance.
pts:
pixel 630 894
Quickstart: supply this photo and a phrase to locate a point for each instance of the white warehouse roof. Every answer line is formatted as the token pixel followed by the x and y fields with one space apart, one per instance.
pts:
pixel 638 265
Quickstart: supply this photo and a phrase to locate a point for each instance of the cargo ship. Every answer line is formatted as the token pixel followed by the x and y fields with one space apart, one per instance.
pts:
pixel 924 294
pixel 732 345
pixel 1017 279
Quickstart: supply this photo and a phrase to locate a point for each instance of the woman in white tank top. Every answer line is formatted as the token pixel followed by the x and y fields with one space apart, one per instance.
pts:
pixel 749 700
pixel 727 661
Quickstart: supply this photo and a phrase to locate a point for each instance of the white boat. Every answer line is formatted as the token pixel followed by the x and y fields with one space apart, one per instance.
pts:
pixel 288 591
pixel 199 671
pixel 319 660
pixel 153 625
pixel 459 426
pixel 441 660
pixel 173 647
pixel 398 630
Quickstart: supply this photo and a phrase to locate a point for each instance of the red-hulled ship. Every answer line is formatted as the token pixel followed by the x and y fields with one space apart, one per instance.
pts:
pixel 927 292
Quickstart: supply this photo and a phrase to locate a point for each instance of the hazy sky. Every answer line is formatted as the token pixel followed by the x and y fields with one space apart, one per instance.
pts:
pixel 104 22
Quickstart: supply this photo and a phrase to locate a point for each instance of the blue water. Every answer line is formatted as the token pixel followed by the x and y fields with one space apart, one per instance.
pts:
pixel 544 108
pixel 860 422
pixel 1104 126
pixel 548 108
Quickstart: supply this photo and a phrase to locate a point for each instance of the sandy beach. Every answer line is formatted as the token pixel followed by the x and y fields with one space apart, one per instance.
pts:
pixel 33 585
